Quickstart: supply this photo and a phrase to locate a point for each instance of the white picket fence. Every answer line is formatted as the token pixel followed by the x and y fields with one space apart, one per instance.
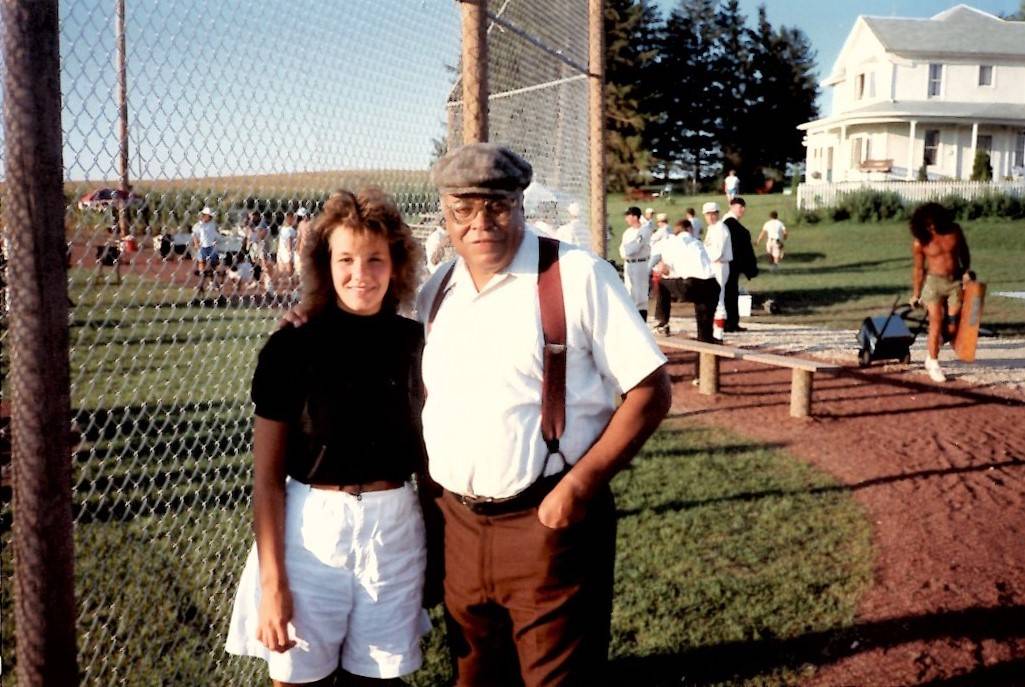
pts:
pixel 822 195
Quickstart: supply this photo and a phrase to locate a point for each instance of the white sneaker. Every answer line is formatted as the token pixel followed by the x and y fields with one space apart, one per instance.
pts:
pixel 932 366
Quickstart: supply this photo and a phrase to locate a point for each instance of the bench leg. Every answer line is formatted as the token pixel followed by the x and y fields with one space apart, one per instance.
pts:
pixel 708 373
pixel 800 393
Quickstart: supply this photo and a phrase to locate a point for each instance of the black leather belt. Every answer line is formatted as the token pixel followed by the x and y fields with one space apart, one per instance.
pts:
pixel 637 259
pixel 529 498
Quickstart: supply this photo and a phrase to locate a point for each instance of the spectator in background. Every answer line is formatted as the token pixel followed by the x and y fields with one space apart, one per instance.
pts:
pixel 257 240
pixel 696 226
pixel 575 231
pixel 438 247
pixel 302 232
pixel 286 254
pixel 204 240
pixel 686 275
pixel 720 252
pixel 744 262
pixel 774 233
pixel 649 218
pixel 731 185
pixel 635 250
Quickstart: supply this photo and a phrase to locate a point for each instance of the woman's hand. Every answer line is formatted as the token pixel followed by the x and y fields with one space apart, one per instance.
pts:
pixel 275 614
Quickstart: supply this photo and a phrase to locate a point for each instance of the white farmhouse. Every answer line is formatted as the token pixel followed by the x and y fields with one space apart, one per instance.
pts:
pixel 914 92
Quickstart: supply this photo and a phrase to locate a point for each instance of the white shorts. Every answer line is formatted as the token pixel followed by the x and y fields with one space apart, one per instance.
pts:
pixel 774 248
pixel 355 569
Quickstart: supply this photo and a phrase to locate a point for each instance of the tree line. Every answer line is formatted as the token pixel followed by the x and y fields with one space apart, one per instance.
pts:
pixel 701 90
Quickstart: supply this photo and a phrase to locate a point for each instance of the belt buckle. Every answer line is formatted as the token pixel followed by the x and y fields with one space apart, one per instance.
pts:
pixel 474 503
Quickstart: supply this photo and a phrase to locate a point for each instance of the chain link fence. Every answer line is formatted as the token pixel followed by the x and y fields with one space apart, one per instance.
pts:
pixel 253 109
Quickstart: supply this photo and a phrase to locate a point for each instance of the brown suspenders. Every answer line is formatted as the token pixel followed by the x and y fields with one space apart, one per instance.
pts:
pixel 553 325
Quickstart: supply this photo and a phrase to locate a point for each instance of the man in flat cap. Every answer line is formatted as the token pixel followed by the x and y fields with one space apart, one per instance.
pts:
pixel 529 523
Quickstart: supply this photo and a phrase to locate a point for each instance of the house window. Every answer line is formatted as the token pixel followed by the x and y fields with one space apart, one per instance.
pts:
pixel 935 79
pixel 859 87
pixel 932 146
pixel 985 75
pixel 1019 150
pixel 871 84
pixel 984 143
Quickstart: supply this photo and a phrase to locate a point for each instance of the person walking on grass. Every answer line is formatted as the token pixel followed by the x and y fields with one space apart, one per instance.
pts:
pixel 941 270
pixel 334 582
pixel 774 233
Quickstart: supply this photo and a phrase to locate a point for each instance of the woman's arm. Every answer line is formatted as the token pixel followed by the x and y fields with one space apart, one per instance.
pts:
pixel 269 439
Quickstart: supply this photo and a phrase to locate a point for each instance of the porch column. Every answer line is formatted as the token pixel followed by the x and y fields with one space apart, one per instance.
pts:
pixel 845 154
pixel 975 145
pixel 911 150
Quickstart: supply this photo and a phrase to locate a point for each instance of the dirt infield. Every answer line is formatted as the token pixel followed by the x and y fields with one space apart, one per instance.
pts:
pixel 941 473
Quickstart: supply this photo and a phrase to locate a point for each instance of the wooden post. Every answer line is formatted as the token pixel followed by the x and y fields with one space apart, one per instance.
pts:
pixel 475 70
pixel 800 393
pixel 596 108
pixel 708 373
pixel 33 211
pixel 122 108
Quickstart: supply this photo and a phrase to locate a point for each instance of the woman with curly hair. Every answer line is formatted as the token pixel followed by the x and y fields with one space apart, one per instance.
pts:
pixel 334 581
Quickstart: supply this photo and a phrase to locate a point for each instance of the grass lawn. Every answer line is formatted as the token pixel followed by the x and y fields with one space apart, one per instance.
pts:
pixel 834 274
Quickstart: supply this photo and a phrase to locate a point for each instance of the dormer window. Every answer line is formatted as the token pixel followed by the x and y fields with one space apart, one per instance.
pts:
pixel 985 75
pixel 935 80
pixel 859 87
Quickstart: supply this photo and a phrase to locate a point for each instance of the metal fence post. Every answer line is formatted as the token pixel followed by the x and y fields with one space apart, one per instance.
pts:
pixel 596 101
pixel 475 70
pixel 33 213
pixel 122 110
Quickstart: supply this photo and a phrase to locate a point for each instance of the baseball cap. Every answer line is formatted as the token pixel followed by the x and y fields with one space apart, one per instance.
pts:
pixel 710 206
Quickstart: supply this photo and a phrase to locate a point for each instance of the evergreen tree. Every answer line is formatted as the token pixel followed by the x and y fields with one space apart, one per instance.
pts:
pixel 631 38
pixel 684 128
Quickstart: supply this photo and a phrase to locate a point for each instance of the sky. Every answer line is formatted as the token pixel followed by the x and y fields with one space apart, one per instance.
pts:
pixel 827 22
pixel 243 87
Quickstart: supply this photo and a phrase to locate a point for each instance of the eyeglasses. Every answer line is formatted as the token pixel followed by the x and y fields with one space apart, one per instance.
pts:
pixel 465 209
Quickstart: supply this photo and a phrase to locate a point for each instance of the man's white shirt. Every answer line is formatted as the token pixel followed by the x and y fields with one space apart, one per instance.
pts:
pixel 206 233
pixel 636 243
pixel 717 243
pixel 686 257
pixel 482 368
pixel 774 229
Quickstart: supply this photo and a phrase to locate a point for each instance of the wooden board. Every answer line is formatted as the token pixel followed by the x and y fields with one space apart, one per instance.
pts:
pixel 972 299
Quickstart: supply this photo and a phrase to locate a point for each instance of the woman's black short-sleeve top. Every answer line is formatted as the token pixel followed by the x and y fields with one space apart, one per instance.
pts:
pixel 349 388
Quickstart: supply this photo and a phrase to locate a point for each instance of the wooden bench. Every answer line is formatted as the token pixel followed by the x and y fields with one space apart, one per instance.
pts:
pixel 708 369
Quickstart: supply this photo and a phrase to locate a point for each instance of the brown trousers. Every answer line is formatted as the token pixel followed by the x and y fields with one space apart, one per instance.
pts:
pixel 528 605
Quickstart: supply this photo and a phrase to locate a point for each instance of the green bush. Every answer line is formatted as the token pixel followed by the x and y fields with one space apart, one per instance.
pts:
pixel 867 205
pixel 808 217
pixel 982 170
pixel 923 173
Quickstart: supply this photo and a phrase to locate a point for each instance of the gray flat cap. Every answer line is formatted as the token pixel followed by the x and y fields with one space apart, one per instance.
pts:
pixel 481 168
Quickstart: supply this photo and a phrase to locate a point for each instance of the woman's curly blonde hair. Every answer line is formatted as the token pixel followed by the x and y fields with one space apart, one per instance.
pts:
pixel 371 211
